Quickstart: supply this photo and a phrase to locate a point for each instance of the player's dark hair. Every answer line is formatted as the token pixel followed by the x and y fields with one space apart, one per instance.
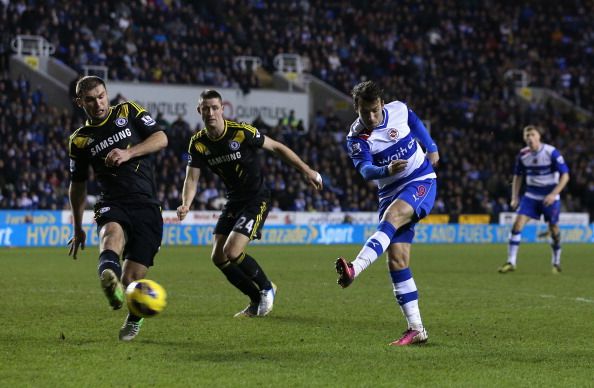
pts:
pixel 367 91
pixel 210 93
pixel 87 83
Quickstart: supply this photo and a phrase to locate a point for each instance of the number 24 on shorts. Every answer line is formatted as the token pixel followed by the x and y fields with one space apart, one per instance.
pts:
pixel 248 226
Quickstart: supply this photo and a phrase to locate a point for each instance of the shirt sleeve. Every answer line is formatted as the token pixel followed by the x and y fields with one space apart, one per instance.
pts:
pixel 370 172
pixel 419 130
pixel 79 164
pixel 358 151
pixel 195 159
pixel 519 166
pixel 559 162
pixel 253 137
pixel 143 121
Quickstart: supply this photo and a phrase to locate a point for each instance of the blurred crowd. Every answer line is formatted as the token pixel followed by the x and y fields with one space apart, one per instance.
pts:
pixel 448 60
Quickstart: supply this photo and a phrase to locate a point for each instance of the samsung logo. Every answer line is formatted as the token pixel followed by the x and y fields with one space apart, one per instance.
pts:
pixel 111 140
pixel 224 158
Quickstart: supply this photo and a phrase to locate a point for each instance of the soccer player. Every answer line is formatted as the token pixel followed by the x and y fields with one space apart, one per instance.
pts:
pixel 546 176
pixel 383 144
pixel 117 142
pixel 230 150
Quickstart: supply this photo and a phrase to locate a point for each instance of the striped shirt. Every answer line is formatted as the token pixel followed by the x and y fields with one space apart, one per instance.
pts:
pixel 395 138
pixel 541 169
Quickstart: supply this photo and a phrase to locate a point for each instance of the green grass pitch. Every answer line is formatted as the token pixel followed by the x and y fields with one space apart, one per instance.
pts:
pixel 527 328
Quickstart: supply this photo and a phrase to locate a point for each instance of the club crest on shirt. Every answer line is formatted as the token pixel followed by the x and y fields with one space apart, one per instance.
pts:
pixel 355 148
pixel 393 133
pixel 233 145
pixel 121 122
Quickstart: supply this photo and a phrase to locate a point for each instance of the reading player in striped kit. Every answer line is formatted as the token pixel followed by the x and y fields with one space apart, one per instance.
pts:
pixel 546 176
pixel 383 144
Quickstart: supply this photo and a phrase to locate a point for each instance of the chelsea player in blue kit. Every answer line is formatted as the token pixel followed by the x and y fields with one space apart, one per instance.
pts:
pixel 384 145
pixel 546 176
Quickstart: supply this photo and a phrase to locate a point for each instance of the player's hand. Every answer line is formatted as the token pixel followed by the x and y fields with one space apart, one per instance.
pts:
pixel 182 212
pixel 117 157
pixel 397 166
pixel 315 179
pixel 514 203
pixel 549 200
pixel 78 240
pixel 433 158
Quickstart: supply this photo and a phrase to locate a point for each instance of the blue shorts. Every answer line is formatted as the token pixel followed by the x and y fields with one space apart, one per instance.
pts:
pixel 534 208
pixel 421 196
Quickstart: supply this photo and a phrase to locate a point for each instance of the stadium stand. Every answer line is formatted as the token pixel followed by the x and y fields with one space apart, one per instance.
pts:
pixel 449 64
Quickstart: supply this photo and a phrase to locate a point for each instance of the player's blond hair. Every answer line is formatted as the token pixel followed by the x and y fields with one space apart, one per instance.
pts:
pixel 532 127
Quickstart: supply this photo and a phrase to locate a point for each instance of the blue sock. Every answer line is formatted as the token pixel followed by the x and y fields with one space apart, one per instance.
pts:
pixel 405 289
pixel 407 296
pixel 374 247
pixel 108 259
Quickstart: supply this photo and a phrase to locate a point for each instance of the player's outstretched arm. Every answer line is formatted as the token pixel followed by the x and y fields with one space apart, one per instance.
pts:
pixel 77 192
pixel 188 192
pixel 313 177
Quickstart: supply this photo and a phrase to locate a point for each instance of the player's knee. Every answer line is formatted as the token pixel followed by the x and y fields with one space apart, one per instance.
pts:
pixel 219 259
pixel 555 234
pixel 396 218
pixel 231 252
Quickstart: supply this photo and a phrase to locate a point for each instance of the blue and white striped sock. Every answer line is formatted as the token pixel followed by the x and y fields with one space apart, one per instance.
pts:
pixel 407 296
pixel 513 246
pixel 374 247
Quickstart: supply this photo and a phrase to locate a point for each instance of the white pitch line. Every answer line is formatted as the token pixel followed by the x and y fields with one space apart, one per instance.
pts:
pixel 578 299
pixel 584 300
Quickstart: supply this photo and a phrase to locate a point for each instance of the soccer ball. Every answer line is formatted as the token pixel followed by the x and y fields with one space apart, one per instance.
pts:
pixel 145 298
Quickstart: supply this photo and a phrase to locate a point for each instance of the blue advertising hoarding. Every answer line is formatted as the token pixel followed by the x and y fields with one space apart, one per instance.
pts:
pixel 46 235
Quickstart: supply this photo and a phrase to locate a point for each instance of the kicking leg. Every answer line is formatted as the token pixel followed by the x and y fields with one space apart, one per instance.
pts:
pixel 396 215
pixel 111 245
